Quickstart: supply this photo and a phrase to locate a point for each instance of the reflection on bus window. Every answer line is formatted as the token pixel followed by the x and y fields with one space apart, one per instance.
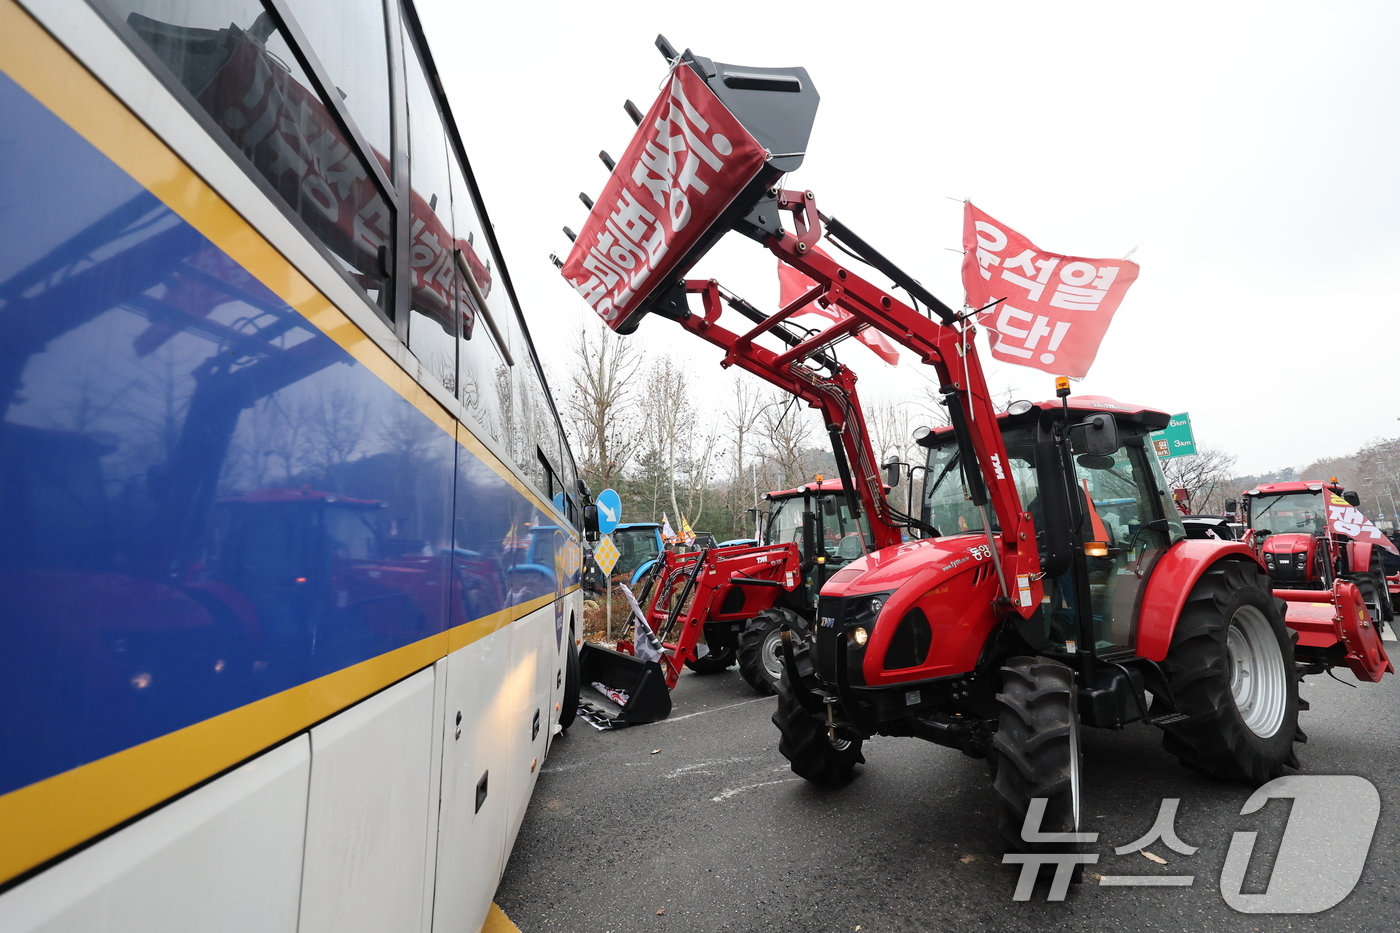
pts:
pixel 349 40
pixel 237 64
pixel 432 329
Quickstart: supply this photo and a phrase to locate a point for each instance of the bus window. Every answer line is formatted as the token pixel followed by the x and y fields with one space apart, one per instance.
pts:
pixel 483 380
pixel 349 40
pixel 432 328
pixel 238 66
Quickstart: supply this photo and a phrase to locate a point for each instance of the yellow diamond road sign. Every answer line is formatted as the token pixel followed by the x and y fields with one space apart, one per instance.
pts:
pixel 606 554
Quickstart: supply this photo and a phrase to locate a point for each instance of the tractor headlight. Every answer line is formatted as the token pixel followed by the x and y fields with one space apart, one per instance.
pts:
pixel 859 636
pixel 874 607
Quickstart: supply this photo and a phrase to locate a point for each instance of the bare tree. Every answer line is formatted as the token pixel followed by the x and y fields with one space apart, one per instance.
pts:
pixel 1205 475
pixel 788 433
pixel 601 404
pixel 669 423
pixel 742 420
pixel 336 421
pixel 890 424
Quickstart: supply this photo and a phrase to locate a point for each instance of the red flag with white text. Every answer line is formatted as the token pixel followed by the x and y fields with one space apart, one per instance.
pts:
pixel 1056 308
pixel 792 285
pixel 1343 518
pixel 688 161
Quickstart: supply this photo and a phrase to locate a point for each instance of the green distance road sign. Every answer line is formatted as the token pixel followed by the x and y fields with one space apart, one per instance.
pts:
pixel 1176 439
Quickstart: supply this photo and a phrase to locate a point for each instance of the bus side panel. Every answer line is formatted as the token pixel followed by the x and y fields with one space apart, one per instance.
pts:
pixel 226 857
pixel 367 820
pixel 532 667
pixel 472 816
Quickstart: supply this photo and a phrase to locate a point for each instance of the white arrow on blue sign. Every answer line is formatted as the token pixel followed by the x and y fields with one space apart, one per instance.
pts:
pixel 609 510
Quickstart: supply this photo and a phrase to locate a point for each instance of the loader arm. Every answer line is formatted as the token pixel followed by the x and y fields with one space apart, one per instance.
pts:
pixel 948 347
pixel 708 158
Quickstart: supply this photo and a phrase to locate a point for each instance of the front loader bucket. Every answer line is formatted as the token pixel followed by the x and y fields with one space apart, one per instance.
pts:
pixel 642 683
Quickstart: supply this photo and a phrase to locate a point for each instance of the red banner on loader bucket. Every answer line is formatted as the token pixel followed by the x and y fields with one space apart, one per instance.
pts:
pixel 1056 308
pixel 1343 518
pixel 690 158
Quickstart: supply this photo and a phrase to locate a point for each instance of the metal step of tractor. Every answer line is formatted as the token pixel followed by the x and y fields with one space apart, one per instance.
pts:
pixel 1167 719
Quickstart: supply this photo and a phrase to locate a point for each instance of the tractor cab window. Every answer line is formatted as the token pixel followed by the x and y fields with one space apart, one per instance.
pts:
pixel 843 537
pixel 1293 512
pixel 947 504
pixel 349 533
pixel 1115 494
pixel 635 547
pixel 785 522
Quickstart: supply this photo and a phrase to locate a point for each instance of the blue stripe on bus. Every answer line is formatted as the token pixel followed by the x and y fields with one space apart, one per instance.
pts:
pixel 204 499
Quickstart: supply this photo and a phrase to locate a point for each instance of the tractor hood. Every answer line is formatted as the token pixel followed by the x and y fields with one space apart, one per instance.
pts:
pixel 926 562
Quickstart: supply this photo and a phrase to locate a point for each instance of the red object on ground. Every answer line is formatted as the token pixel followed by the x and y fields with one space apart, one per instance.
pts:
pixel 1055 308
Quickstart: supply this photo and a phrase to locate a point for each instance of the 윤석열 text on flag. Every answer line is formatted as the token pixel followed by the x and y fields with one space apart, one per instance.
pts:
pixel 1054 309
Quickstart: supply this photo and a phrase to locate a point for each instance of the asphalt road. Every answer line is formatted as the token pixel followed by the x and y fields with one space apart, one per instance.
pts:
pixel 699 816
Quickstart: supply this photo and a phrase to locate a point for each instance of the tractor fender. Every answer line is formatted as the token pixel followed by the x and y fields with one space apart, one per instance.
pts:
pixel 1359 556
pixel 641 572
pixel 1173 577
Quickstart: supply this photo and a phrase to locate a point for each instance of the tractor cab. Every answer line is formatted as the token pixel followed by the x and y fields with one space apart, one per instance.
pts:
pixel 1120 517
pixel 638 544
pixel 1289 521
pixel 817 518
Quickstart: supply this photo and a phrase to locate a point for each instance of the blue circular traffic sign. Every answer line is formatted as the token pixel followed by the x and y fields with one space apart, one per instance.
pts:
pixel 609 505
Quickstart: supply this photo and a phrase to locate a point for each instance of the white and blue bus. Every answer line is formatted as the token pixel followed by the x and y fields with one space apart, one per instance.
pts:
pixel 289 530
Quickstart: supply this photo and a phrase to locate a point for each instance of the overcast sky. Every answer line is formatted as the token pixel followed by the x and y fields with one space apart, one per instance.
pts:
pixel 1248 152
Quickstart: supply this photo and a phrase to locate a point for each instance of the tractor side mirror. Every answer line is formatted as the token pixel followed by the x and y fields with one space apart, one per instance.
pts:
pixel 828 506
pixel 1050 509
pixel 1096 435
pixel 1231 506
pixel 892 466
pixel 590 522
pixel 1353 498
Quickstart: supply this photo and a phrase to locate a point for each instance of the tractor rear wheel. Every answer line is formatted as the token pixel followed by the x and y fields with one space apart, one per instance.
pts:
pixel 804 740
pixel 1230 667
pixel 1037 754
pixel 761 647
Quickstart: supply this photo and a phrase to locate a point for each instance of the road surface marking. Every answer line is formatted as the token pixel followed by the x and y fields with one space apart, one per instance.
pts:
pixel 498 922
pixel 717 709
pixel 739 790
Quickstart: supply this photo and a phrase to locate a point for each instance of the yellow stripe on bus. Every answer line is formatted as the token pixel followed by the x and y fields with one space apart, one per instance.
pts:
pixel 51 816
pixel 40 65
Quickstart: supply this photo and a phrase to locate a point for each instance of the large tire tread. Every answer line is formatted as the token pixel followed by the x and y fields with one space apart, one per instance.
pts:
pixel 758 630
pixel 1213 739
pixel 804 742
pixel 1033 748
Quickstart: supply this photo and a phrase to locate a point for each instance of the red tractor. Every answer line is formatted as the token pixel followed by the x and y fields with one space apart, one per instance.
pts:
pixel 743 596
pixel 1301 550
pixel 1053 587
pixel 1334 582
pixel 711 607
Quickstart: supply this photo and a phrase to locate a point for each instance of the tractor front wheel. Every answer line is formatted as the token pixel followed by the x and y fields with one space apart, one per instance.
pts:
pixel 1373 595
pixel 761 647
pixel 1230 667
pixel 1037 755
pixel 719 659
pixel 805 741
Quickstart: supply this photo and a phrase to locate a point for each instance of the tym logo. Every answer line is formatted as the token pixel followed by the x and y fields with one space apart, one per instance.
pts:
pixel 828 622
pixel 996 466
